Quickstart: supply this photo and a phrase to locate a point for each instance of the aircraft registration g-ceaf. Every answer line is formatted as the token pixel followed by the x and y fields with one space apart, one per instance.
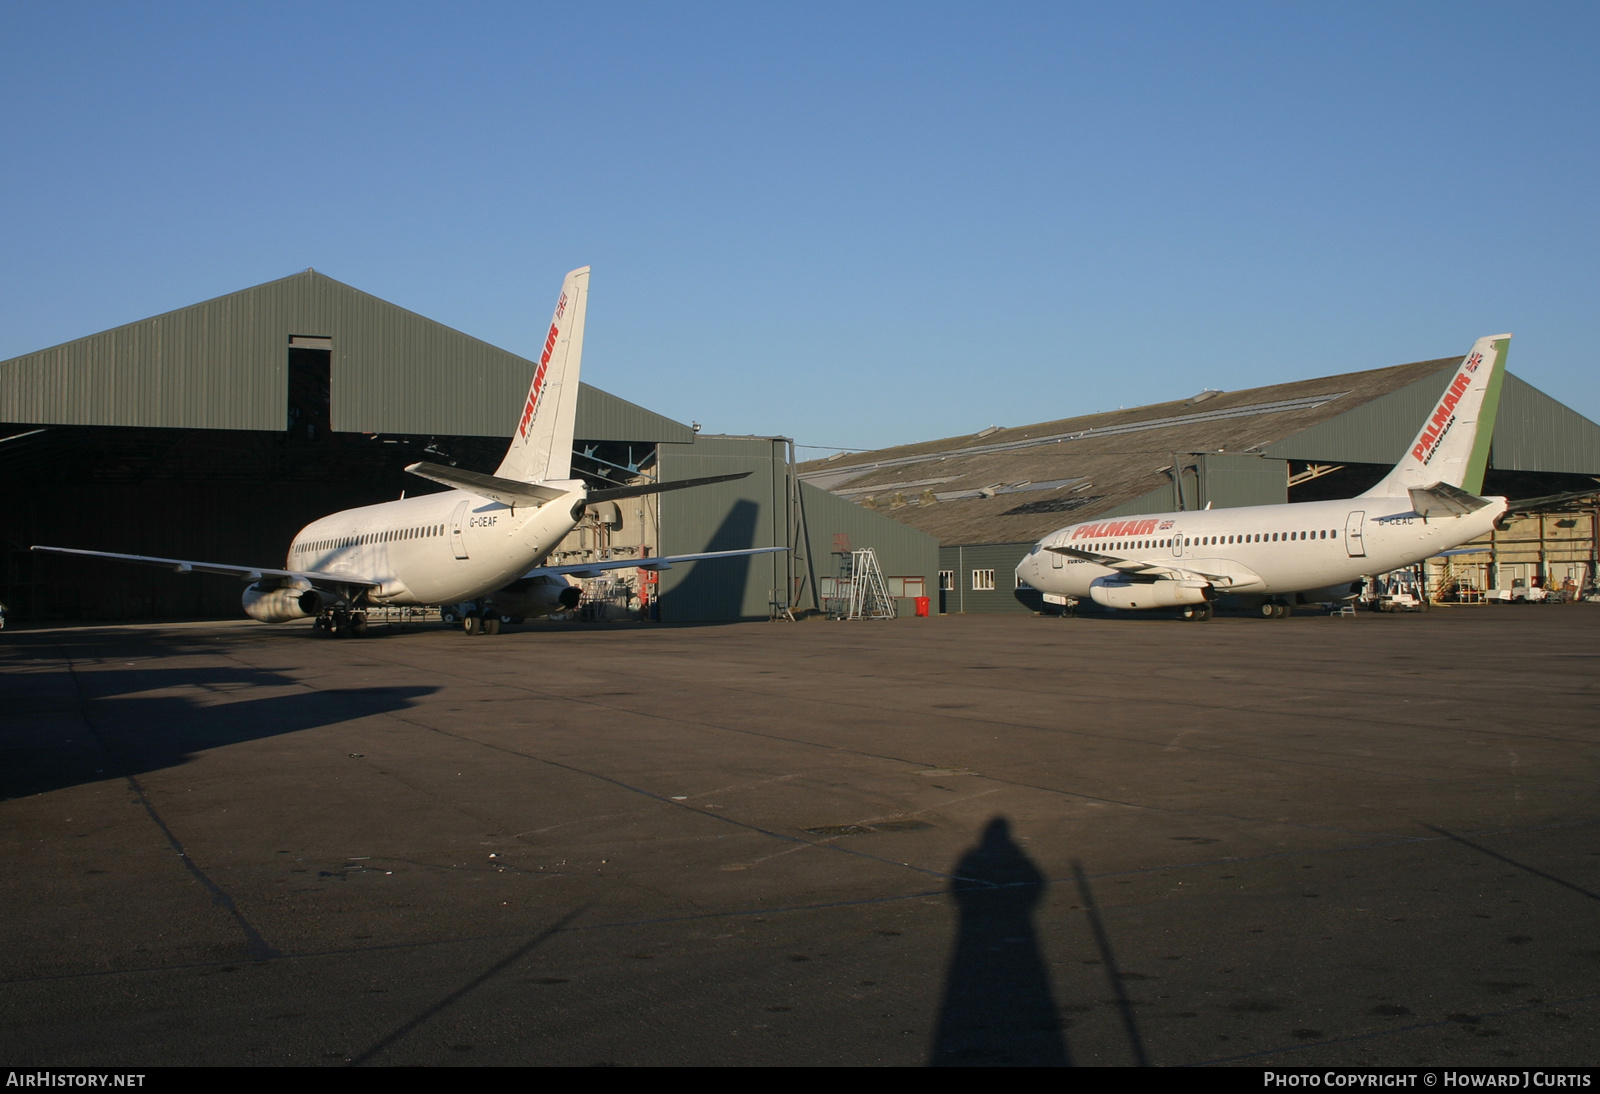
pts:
pixel 478 544
pixel 1274 556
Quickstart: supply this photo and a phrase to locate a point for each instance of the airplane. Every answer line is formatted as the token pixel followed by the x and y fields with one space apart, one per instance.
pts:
pixel 1272 557
pixel 477 545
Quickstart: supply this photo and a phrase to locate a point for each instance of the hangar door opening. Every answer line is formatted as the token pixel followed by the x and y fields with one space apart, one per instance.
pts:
pixel 310 376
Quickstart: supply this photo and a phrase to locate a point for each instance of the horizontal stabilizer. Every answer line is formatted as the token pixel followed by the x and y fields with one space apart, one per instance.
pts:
pixel 1443 500
pixel 616 493
pixel 505 491
pixel 1551 502
pixel 654 562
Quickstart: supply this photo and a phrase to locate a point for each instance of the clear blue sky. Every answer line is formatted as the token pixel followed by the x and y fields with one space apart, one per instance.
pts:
pixel 854 224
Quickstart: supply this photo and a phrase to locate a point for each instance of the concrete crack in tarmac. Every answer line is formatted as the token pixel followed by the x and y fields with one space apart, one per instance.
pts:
pixel 255 945
pixel 716 727
pixel 1415 1027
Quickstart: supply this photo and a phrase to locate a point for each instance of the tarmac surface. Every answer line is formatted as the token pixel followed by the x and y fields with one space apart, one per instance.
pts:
pixel 965 840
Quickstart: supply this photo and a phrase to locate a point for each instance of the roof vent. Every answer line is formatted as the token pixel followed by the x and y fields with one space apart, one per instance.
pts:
pixel 1208 393
pixel 986 432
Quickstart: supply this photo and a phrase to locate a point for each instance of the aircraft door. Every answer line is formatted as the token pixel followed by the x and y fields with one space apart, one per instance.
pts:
pixel 458 542
pixel 1353 543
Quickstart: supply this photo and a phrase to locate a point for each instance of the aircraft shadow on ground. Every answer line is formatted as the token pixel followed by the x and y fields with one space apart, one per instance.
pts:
pixel 118 730
pixel 716 588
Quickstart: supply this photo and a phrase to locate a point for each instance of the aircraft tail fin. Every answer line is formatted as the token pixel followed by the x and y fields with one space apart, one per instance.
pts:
pixel 541 445
pixel 1452 446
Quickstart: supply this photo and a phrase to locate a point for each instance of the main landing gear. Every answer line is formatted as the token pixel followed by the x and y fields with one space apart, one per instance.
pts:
pixel 476 623
pixel 340 624
pixel 1198 613
pixel 1272 609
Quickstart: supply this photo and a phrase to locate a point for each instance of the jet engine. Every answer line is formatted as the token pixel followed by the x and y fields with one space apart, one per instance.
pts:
pixel 281 603
pixel 536 596
pixel 1136 595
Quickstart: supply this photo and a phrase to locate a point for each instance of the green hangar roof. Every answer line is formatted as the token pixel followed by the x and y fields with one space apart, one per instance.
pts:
pixel 223 364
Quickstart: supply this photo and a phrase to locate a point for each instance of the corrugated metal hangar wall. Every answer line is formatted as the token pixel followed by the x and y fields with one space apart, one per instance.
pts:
pixel 768 509
pixel 216 431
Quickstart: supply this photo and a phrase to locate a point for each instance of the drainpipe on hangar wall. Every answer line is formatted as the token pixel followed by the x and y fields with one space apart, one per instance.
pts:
pixel 1494 559
pixel 1544 563
pixel 1594 548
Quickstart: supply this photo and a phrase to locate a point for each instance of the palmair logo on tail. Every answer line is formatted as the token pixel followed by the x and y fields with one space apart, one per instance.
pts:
pixel 538 376
pixel 1444 414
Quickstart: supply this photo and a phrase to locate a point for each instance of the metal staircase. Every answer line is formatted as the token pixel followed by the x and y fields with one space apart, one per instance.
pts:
pixel 864 594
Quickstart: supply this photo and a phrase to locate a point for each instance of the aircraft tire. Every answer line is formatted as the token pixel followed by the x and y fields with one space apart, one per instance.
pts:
pixel 1281 611
pixel 1202 614
pixel 358 625
pixel 1269 610
pixel 472 624
pixel 491 624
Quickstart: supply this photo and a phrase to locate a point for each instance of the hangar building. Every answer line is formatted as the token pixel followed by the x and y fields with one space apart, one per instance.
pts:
pixel 989 496
pixel 217 431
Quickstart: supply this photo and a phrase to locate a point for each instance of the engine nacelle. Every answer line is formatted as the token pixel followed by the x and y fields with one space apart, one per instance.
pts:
pixel 1329 593
pixel 280 603
pixel 1136 596
pixel 534 597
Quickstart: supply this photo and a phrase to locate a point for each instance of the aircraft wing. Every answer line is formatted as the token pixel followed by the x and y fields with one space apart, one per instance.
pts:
pixel 244 573
pixel 660 562
pixel 1231 577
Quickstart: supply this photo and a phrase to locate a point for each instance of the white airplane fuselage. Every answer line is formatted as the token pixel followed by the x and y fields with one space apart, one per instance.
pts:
pixel 439 548
pixel 1262 550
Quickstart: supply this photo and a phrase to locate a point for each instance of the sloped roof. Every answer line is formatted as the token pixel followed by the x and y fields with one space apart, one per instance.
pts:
pixel 1106 459
pixel 223 364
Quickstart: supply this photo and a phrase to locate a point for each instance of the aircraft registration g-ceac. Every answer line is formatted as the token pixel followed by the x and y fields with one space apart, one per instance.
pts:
pixel 478 544
pixel 1274 556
